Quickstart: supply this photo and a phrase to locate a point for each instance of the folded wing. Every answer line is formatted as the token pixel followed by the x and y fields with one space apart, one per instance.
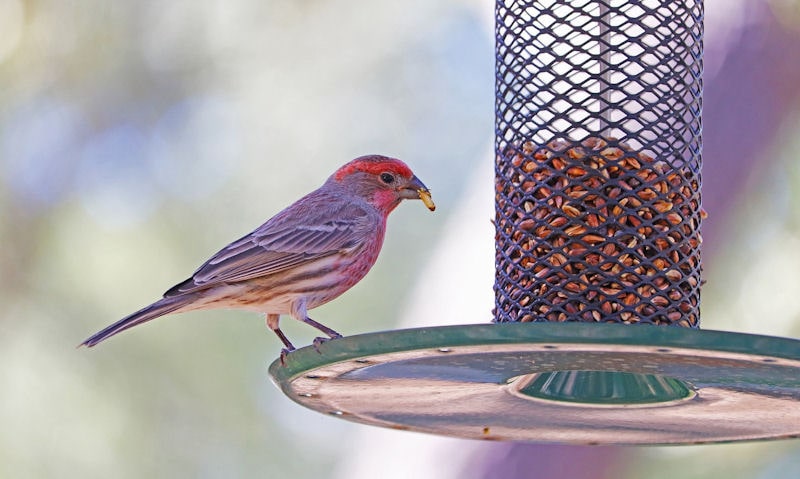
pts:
pixel 302 233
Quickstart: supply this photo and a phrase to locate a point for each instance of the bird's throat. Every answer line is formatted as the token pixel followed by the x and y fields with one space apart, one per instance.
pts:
pixel 385 200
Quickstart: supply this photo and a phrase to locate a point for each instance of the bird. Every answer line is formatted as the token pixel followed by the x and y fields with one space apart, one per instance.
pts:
pixel 303 257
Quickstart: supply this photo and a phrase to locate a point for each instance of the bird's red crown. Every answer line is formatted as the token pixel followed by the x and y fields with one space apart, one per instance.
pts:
pixel 374 164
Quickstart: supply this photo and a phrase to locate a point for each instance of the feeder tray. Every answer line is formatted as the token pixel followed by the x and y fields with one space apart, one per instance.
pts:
pixel 569 383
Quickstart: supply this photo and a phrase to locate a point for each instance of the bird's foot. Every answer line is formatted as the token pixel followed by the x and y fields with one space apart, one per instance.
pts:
pixel 318 341
pixel 284 354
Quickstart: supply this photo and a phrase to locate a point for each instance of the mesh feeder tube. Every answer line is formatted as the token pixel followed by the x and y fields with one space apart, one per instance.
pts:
pixel 598 141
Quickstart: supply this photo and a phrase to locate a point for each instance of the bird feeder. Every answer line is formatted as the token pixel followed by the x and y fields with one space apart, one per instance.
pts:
pixel 597 287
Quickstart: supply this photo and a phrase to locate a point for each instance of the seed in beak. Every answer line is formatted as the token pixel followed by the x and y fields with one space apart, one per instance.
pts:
pixel 425 196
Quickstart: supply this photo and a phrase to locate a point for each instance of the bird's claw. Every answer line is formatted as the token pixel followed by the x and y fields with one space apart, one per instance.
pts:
pixel 318 341
pixel 284 354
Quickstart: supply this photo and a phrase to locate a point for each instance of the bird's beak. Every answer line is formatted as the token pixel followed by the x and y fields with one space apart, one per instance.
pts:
pixel 415 189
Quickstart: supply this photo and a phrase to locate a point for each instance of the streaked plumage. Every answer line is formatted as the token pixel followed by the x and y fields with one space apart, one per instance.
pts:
pixel 303 257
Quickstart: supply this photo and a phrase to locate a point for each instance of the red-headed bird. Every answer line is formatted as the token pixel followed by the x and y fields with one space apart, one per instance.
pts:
pixel 301 258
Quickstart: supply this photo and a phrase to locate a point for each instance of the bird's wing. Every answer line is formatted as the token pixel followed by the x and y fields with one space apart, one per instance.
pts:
pixel 300 234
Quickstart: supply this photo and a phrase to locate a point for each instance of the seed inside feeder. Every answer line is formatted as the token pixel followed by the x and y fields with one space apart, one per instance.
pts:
pixel 595 231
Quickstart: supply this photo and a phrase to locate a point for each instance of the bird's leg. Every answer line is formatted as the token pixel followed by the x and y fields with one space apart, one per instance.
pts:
pixel 272 323
pixel 299 312
pixel 319 340
pixel 333 334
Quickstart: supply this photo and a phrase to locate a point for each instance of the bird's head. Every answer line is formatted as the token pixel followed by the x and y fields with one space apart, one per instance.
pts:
pixel 382 181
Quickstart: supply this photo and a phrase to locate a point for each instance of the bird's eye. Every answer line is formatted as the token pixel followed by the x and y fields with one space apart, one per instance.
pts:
pixel 387 178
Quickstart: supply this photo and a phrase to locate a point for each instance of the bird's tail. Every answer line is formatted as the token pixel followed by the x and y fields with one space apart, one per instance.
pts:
pixel 159 308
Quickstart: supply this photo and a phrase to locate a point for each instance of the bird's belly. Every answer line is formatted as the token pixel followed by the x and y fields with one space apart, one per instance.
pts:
pixel 242 296
pixel 316 283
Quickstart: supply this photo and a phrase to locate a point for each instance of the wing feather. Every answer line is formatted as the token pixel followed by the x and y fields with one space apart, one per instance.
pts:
pixel 302 233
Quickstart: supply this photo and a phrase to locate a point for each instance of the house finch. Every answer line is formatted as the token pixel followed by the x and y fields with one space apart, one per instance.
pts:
pixel 303 257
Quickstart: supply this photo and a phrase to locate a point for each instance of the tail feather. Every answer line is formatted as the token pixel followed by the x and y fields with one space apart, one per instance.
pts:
pixel 155 310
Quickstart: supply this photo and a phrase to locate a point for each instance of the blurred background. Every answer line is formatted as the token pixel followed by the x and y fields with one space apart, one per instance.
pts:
pixel 137 138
